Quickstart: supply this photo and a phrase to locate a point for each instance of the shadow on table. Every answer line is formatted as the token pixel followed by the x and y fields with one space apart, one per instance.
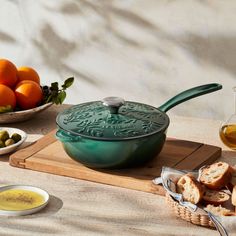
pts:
pixel 229 157
pixel 42 123
pixel 54 205
pixel 5 157
pixel 35 224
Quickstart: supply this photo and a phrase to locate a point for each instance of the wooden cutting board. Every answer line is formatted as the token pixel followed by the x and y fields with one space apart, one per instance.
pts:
pixel 48 155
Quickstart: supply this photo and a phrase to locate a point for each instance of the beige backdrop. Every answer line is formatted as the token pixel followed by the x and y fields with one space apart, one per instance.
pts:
pixel 143 50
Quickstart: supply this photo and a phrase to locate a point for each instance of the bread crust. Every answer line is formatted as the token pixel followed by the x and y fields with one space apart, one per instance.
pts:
pixel 215 197
pixel 233 197
pixel 191 190
pixel 232 182
pixel 216 176
pixel 218 210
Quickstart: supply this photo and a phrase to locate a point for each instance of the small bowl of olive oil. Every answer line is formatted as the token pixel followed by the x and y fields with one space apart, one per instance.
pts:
pixel 17 200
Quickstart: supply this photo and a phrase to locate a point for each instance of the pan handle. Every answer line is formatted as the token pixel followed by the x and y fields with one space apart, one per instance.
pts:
pixel 189 94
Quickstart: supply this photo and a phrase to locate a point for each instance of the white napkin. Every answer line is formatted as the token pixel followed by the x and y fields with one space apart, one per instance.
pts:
pixel 226 225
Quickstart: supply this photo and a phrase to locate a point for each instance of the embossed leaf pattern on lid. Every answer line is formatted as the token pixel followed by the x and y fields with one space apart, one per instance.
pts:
pixel 94 120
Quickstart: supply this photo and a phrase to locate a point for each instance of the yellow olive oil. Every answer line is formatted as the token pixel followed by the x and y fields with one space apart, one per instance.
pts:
pixel 228 135
pixel 19 199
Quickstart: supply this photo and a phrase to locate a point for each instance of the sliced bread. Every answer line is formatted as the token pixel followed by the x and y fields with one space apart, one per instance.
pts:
pixel 216 176
pixel 214 197
pixel 218 210
pixel 233 197
pixel 232 182
pixel 191 190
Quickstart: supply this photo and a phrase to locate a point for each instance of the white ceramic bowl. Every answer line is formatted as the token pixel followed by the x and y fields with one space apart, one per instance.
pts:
pixel 40 191
pixel 17 116
pixel 13 147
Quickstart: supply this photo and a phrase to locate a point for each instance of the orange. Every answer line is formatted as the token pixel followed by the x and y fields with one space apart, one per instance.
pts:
pixel 25 81
pixel 27 73
pixel 7 96
pixel 8 73
pixel 28 94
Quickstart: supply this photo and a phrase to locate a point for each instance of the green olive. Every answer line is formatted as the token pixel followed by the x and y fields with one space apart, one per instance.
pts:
pixel 4 135
pixel 9 142
pixel 16 137
pixel 5 109
pixel 2 144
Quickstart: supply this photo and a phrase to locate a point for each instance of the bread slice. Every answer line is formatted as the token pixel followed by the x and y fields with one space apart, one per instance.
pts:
pixel 233 179
pixel 232 182
pixel 216 176
pixel 231 213
pixel 214 197
pixel 218 210
pixel 190 188
pixel 233 197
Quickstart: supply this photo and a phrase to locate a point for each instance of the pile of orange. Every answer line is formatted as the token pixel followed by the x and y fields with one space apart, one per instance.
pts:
pixel 19 86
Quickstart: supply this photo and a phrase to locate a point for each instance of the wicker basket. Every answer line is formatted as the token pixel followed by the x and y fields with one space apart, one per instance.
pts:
pixel 185 214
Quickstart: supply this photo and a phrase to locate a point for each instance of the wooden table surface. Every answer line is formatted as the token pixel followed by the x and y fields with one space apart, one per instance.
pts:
pixel 84 208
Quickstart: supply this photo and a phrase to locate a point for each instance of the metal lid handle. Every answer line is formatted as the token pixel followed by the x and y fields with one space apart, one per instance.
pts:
pixel 113 104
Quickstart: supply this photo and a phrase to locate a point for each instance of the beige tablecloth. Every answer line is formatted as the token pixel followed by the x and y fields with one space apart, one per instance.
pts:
pixel 79 207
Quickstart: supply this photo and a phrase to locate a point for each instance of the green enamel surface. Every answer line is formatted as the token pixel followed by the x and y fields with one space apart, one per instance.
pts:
pixel 132 135
pixel 112 154
pixel 189 94
pixel 95 121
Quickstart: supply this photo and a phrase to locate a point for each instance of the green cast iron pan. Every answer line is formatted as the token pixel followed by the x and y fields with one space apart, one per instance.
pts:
pixel 118 134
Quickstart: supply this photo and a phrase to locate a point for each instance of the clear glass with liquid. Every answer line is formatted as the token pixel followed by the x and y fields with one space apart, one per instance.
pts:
pixel 228 129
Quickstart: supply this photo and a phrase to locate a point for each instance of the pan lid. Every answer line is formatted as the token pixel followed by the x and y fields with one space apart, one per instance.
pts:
pixel 112 119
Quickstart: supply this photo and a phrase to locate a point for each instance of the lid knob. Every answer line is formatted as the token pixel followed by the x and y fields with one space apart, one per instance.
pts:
pixel 113 104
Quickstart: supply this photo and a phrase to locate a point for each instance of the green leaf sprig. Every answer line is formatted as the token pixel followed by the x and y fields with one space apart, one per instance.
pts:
pixel 55 94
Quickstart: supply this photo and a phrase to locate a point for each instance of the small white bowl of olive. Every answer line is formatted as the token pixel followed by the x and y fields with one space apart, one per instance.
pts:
pixel 11 139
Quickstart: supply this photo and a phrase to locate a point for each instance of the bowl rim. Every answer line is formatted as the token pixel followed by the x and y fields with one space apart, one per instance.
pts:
pixel 32 188
pixel 15 144
pixel 38 108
